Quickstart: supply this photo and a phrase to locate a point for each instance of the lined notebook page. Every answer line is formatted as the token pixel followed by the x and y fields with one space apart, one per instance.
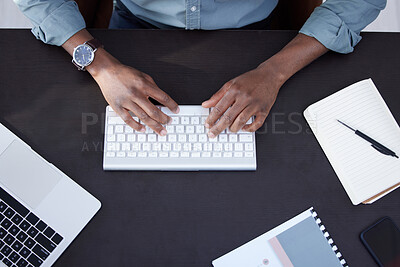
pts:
pixel 363 171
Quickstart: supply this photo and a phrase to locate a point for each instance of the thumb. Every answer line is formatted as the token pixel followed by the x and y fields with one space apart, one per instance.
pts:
pixel 217 96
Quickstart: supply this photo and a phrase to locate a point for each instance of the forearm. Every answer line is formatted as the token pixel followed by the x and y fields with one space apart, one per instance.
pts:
pixel 297 54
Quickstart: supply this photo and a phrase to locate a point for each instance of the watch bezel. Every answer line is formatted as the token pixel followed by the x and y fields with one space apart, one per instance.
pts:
pixel 91 55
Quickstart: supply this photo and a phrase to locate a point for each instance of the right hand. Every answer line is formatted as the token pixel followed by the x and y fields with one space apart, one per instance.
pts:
pixel 127 89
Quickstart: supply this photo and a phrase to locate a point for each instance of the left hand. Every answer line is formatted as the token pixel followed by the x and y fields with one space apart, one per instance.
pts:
pixel 250 94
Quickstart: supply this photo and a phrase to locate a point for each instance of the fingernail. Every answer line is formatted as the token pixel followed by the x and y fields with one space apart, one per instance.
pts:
pixel 207 125
pixel 211 135
pixel 163 133
pixel 177 110
pixel 142 130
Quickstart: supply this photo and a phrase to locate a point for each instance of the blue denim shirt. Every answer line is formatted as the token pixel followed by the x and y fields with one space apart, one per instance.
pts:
pixel 336 23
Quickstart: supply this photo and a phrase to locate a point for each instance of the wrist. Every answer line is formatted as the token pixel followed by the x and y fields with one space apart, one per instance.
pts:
pixel 275 71
pixel 103 61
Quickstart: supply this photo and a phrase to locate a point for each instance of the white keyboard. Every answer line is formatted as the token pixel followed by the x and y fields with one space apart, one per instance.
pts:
pixel 186 147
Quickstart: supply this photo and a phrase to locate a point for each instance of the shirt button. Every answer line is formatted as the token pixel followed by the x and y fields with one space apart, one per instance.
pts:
pixel 193 8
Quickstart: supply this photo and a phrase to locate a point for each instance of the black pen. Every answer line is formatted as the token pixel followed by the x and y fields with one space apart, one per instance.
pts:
pixel 378 146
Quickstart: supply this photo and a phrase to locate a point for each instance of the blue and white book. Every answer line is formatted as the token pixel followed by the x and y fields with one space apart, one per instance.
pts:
pixel 301 241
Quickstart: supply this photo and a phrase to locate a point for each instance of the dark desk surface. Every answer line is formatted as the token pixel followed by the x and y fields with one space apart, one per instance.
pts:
pixel 191 218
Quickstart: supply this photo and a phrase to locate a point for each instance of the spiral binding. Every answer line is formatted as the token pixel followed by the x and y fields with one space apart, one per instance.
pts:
pixel 328 238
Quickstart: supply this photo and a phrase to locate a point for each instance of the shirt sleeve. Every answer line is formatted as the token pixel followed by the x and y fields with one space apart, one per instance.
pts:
pixel 54 21
pixel 337 23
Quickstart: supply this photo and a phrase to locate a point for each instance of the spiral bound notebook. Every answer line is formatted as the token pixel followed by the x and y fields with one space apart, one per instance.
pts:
pixel 365 174
pixel 301 241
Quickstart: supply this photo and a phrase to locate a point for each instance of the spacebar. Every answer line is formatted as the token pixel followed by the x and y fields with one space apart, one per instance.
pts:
pixel 18 207
pixel 188 110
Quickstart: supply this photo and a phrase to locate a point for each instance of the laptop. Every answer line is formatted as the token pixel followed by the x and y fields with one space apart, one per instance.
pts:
pixel 42 210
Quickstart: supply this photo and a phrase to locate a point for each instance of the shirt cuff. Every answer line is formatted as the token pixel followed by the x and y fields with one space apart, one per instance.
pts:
pixel 331 31
pixel 60 24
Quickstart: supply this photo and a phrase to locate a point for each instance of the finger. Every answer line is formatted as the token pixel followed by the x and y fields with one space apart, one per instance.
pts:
pixel 163 98
pixel 219 110
pixel 257 123
pixel 127 118
pixel 242 119
pixel 154 112
pixel 227 119
pixel 217 96
pixel 146 119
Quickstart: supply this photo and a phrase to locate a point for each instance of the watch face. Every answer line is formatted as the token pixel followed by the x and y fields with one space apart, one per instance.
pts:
pixel 83 55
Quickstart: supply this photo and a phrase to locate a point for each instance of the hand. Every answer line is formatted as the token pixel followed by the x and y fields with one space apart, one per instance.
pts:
pixel 127 89
pixel 251 94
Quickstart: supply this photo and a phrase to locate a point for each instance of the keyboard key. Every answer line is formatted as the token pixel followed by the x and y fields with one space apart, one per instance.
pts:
pixel 172 138
pixel 57 238
pixel 174 154
pixel 185 154
pixel 163 154
pixel 207 147
pixel 3 233
pixel 182 138
pixel 110 154
pixel 141 138
pixel 175 120
pixel 22 263
pixel 194 120
pixel 233 138
pixel 9 213
pixel 119 129
pixel 166 147
pixel 1 244
pixel 22 236
pixel 32 218
pixel 238 154
pixel 24 252
pixel 120 137
pixel 131 138
pixel 245 138
pixel 238 146
pixel 153 155
pixel 249 147
pixel 146 147
pixel 6 250
pixel 197 147
pixel 162 138
pixel 3 206
pixel 121 154
pixel 16 246
pixel 6 223
pixel 1 256
pixel 7 262
pixel 29 242
pixel 228 147
pixel 170 129
pixel 128 129
pixel 142 154
pixel 192 138
pixel 1 217
pixel 25 225
pixel 9 239
pixel 206 154
pixel 49 232
pixel 132 154
pixel 248 154
pixel 195 154
pixel 177 147
pixel 152 138
pixel 115 120
pixel 227 154
pixel 16 219
pixel 200 129
pixel 184 120
pixel 180 129
pixel 18 207
pixel 223 138
pixel 13 230
pixel 14 257
pixel 190 129
pixel 41 252
pixel 34 260
pixel 32 232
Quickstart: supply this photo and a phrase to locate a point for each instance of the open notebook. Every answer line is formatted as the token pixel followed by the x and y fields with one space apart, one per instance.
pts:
pixel 366 174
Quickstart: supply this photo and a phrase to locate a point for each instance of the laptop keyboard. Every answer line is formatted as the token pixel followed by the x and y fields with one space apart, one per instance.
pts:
pixel 25 240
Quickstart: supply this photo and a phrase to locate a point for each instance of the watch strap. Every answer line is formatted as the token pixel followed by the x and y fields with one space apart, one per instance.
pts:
pixel 94 44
